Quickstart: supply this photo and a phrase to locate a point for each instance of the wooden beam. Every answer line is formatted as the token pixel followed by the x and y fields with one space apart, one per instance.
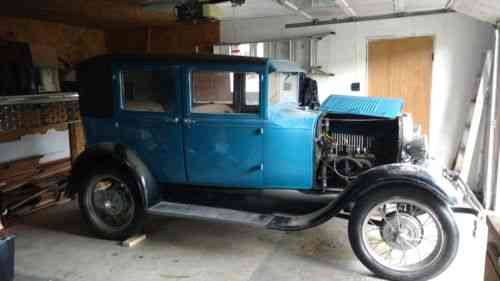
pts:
pixel 475 124
pixel 76 140
pixel 183 38
pixel 494 135
pixel 91 13
pixel 134 240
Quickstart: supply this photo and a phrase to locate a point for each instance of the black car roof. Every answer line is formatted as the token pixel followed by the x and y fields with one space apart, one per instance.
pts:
pixel 180 58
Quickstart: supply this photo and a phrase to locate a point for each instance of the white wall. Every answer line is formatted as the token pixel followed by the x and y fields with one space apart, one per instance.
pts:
pixel 460 43
pixel 53 145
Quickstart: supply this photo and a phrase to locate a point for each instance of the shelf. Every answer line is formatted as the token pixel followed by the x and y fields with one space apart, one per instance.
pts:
pixel 39 98
pixel 17 134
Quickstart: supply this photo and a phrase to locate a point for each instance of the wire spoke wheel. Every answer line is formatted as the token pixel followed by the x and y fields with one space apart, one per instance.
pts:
pixel 403 235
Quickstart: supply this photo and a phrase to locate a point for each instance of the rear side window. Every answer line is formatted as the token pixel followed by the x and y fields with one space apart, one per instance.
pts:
pixel 225 92
pixel 148 90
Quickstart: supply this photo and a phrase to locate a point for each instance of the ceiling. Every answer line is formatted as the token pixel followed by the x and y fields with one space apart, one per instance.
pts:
pixel 487 10
pixel 111 13
pixel 93 13
pixel 326 9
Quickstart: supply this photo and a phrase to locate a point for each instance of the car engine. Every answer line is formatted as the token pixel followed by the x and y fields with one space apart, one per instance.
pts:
pixel 349 145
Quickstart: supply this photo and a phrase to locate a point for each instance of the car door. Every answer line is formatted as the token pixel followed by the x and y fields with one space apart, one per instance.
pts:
pixel 223 128
pixel 149 117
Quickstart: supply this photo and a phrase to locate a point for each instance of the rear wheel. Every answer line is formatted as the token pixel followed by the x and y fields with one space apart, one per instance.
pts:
pixel 110 204
pixel 403 233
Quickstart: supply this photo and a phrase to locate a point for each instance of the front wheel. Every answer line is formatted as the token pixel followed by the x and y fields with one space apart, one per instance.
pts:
pixel 402 233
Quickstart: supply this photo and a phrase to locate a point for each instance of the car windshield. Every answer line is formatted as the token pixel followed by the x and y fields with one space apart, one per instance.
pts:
pixel 283 88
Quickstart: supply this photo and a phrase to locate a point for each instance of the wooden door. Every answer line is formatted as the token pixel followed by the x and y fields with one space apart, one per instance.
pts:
pixel 402 68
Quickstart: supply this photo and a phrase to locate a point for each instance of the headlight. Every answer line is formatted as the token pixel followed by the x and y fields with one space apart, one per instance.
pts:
pixel 407 128
pixel 415 149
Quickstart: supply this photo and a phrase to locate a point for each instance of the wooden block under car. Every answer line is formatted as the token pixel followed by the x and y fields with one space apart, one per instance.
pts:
pixel 133 241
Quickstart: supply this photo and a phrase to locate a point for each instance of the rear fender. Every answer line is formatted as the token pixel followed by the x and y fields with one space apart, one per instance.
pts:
pixel 115 155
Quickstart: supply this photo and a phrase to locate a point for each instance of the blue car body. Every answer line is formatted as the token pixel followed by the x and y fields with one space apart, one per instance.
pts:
pixel 160 147
pixel 275 149
pixel 225 150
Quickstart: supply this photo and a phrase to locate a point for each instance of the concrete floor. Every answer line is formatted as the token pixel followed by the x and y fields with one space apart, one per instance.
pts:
pixel 51 245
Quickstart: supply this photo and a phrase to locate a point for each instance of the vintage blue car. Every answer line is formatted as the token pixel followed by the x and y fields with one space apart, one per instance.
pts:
pixel 225 138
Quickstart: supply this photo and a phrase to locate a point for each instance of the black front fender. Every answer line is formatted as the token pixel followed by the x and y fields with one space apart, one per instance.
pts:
pixel 377 178
pixel 413 175
pixel 115 155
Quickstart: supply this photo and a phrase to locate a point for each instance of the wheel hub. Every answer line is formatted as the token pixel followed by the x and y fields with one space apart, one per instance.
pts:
pixel 115 202
pixel 402 231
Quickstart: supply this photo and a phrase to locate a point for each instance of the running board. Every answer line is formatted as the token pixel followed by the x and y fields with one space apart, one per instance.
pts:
pixel 180 210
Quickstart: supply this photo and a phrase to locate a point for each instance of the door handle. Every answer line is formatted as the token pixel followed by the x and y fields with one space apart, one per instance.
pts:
pixel 189 122
pixel 174 120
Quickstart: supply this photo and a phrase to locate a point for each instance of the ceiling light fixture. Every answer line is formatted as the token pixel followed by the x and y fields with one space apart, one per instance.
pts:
pixel 346 8
pixel 289 5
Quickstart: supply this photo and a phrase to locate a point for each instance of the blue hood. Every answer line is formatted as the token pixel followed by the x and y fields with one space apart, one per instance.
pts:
pixel 364 106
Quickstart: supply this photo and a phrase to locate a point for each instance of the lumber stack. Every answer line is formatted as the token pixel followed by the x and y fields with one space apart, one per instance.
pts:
pixel 26 185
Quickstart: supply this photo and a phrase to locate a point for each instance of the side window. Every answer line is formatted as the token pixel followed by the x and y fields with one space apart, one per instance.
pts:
pixel 224 92
pixel 149 90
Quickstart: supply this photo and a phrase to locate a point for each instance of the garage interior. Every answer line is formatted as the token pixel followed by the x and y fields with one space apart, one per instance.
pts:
pixel 439 56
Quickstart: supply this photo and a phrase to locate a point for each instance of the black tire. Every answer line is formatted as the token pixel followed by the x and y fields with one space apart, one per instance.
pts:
pixel 440 209
pixel 91 214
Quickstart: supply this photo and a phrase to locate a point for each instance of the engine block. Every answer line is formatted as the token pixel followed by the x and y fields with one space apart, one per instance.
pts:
pixel 348 147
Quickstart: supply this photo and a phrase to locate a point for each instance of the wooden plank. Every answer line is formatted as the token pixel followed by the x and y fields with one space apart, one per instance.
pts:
pixel 13 185
pixel 493 175
pixel 475 123
pixel 180 38
pixel 19 167
pixel 46 184
pixel 92 13
pixel 133 241
pixel 76 140
pixel 402 68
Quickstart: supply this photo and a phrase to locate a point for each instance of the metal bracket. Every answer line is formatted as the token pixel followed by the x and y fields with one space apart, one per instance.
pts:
pixel 469 197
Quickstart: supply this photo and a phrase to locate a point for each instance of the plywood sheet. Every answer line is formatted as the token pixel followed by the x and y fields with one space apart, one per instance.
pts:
pixel 69 43
pixel 178 38
pixel 402 68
